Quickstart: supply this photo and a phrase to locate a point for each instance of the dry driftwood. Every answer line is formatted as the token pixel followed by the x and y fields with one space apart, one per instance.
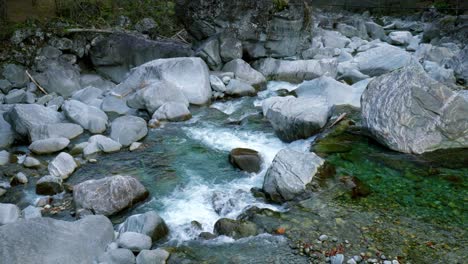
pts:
pixel 36 83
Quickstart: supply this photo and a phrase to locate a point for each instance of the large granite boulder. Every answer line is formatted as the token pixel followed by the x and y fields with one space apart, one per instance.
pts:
pixel 382 59
pixel 189 74
pixel 100 143
pixel 173 112
pixel 408 111
pixel 116 54
pixel 109 195
pixel 24 117
pixel 128 129
pixel 46 240
pixel 59 77
pixel 50 145
pixel 289 174
pixel 57 130
pixel 89 117
pixel 296 118
pixel 149 223
pixel 243 71
pixel 248 160
pixel 265 28
pixel 296 71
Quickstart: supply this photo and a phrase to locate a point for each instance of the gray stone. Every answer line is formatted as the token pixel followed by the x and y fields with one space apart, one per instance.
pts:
pixel 23 118
pixel 100 143
pixel 136 242
pixel 134 146
pixel 348 71
pixel 434 53
pixel 209 52
pixel 115 105
pixel 190 75
pixel 155 94
pixel 375 31
pixel 172 111
pixel 382 59
pixel 333 39
pixel 217 84
pixel 16 75
pixel 59 77
pixel 4 158
pixel 414 43
pixel 296 118
pixel 61 43
pixel 400 37
pixel 88 95
pixel 146 25
pixel 49 185
pixel 58 130
pixel 9 213
pixel 46 240
pixel 230 48
pixel 50 145
pixel 408 111
pixel 117 256
pixel 50 52
pixel 235 228
pixel 7 134
pixel 20 178
pixel 296 71
pixel 128 129
pixel 31 212
pixel 94 80
pixel 16 96
pixel 156 256
pixel 337 259
pixel 90 118
pixel 246 159
pixel 289 174
pixel 239 88
pixel 109 195
pixel 439 73
pixel 30 162
pixel 5 86
pixel 62 166
pixel 116 54
pixel 243 71
pixel 347 30
pixel 149 223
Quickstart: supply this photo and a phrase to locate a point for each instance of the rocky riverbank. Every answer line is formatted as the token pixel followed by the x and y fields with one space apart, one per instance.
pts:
pixel 282 133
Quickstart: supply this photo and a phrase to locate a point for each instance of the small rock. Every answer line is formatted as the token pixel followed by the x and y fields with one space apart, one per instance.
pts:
pixel 245 159
pixel 323 238
pixel 9 213
pixel 2 192
pixel 337 259
pixel 136 242
pixel 30 162
pixel 62 166
pixel 387 262
pixel 31 212
pixel 20 178
pixel 49 185
pixel 157 256
pixel 372 261
pixel 135 145
pixel 4 157
pixel 50 145
pixel 351 261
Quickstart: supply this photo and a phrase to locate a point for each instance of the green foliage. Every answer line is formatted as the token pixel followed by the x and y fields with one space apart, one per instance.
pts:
pixel 281 4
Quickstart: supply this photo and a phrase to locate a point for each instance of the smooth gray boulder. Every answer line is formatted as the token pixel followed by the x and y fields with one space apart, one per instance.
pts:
pixel 62 166
pixel 333 39
pixel 24 117
pixel 116 54
pixel 155 94
pixel 90 118
pixel 248 160
pixel 156 256
pixel 100 143
pixel 296 71
pixel 46 240
pixel 88 95
pixel 239 88
pixel 189 74
pixel 230 48
pixel 7 134
pixel 375 31
pixel 209 52
pixel 400 37
pixel 296 118
pixel 109 195
pixel 243 71
pixel 50 145
pixel 115 105
pixel 31 212
pixel 9 213
pixel 217 84
pixel 173 112
pixel 149 223
pixel 117 256
pixel 49 185
pixel 59 77
pixel 382 59
pixel 16 75
pixel 408 111
pixel 58 130
pixel 4 157
pixel 5 86
pixel 133 241
pixel 289 174
pixel 128 129
pixel 16 96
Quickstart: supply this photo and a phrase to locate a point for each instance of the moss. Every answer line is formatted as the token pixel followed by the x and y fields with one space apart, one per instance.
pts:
pixel 281 5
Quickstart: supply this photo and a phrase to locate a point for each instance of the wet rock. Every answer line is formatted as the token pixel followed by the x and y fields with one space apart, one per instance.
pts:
pixel 296 71
pixel 289 174
pixel 230 48
pixel 207 236
pixel 136 242
pixel 222 203
pixel 20 178
pixel 116 54
pixel 109 195
pixel 190 75
pixel 9 213
pixel 244 72
pixel 50 145
pixel 90 118
pixel 172 111
pixel 23 118
pixel 117 256
pixel 409 112
pixel 149 223
pixel 30 162
pixel 235 228
pixel 49 185
pixel 296 118
pixel 59 77
pixel 86 239
pixel 246 159
pixel 156 256
pixel 16 75
pixel 128 129
pixel 382 59
pixel 99 143
pixel 58 130
pixel 62 166
pixel 31 212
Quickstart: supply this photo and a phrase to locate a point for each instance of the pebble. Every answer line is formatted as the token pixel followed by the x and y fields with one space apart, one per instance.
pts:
pixel 21 178
pixel 395 262
pixel 2 191
pixel 92 160
pixel 351 261
pixel 383 257
pixel 357 258
pixel 135 146
pixel 323 238
pixel 47 206
pixel 387 262
pixel 31 162
pixel 372 261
